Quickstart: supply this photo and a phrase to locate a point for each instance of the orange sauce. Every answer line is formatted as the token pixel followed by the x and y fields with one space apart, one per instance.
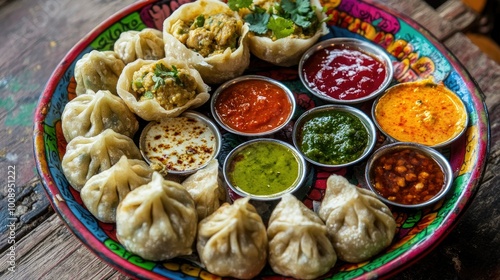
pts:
pixel 421 112
pixel 253 106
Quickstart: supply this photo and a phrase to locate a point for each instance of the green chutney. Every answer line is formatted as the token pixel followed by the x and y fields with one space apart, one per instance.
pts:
pixel 263 169
pixel 334 137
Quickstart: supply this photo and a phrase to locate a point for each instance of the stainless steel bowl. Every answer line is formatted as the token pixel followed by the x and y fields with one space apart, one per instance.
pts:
pixel 365 120
pixel 430 152
pixel 364 46
pixel 190 114
pixel 417 84
pixel 295 187
pixel 227 84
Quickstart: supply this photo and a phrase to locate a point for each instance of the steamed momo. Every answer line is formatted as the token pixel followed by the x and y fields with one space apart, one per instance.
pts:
pixel 206 188
pixel 103 192
pixel 232 241
pixel 158 89
pixel 285 51
pixel 359 224
pixel 90 114
pixel 210 37
pixel 88 156
pixel 298 241
pixel 146 44
pixel 157 221
pixel 98 71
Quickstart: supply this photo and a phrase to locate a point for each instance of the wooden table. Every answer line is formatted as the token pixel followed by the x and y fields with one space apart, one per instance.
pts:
pixel 37 34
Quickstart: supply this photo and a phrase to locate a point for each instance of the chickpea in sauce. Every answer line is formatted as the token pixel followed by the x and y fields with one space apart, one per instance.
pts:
pixel 407 176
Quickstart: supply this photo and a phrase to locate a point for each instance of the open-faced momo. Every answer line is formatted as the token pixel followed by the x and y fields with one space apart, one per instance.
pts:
pixel 359 224
pixel 281 35
pixel 145 44
pixel 98 70
pixel 211 37
pixel 158 89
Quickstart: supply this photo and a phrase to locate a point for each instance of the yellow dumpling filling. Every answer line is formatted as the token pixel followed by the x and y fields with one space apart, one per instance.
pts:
pixel 171 87
pixel 208 35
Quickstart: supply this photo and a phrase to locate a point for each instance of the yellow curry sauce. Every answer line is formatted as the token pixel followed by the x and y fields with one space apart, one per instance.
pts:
pixel 421 112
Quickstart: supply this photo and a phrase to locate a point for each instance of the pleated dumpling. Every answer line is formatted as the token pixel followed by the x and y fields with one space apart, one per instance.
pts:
pixel 88 156
pixel 359 224
pixel 158 89
pixel 232 241
pixel 282 39
pixel 209 36
pixel 206 188
pixel 157 221
pixel 145 44
pixel 103 192
pixel 98 70
pixel 92 113
pixel 298 241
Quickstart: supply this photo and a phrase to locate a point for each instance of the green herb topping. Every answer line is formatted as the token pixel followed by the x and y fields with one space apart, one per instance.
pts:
pixel 282 19
pixel 162 72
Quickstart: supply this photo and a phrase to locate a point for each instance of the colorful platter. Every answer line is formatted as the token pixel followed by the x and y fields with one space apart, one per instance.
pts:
pixel 415 54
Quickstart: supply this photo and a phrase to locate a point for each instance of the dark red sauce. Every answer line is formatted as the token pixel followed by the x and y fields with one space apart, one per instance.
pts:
pixel 343 72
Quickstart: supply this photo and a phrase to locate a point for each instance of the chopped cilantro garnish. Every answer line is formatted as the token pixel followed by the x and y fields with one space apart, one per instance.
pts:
pixel 159 81
pixel 281 27
pixel 300 11
pixel 162 72
pixel 281 17
pixel 288 6
pixel 258 22
pixel 301 20
pixel 303 7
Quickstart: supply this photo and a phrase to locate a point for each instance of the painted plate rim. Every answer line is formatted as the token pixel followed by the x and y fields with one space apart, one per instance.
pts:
pixel 391 267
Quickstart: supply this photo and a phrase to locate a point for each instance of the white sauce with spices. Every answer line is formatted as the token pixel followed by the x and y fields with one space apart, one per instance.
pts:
pixel 180 144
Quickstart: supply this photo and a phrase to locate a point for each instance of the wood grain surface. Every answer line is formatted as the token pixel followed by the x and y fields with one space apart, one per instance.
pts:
pixel 35 37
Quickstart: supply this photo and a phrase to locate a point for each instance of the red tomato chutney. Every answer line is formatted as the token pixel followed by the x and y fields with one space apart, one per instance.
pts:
pixel 253 106
pixel 407 176
pixel 343 72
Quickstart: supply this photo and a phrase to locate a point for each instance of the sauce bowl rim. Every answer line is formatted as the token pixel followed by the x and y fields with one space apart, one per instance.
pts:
pixel 365 120
pixel 192 114
pixel 299 182
pixel 234 81
pixel 431 152
pixel 367 47
pixel 419 82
